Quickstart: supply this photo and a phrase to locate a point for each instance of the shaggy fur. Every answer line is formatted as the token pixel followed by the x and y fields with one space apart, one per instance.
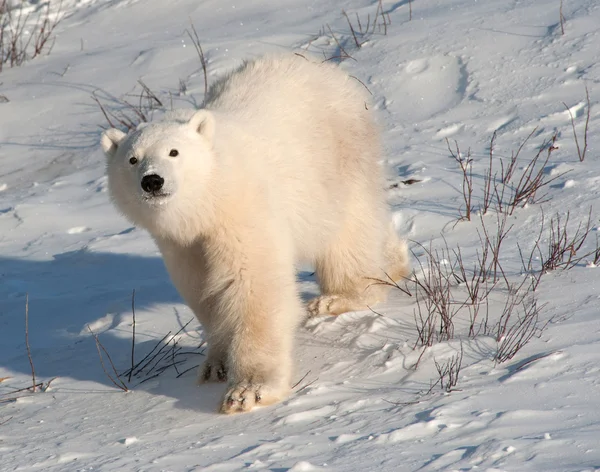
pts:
pixel 280 166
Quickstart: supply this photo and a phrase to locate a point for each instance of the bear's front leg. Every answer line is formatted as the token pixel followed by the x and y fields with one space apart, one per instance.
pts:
pixel 260 311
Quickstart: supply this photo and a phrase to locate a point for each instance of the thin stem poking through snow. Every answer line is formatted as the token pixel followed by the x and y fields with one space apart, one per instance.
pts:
pixel 196 41
pixel 132 336
pixel 581 152
pixel 117 382
pixel 33 383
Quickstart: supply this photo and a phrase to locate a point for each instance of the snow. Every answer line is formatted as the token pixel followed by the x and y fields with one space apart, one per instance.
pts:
pixel 460 69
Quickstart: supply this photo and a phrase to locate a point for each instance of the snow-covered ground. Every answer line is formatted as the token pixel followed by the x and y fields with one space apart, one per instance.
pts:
pixel 459 69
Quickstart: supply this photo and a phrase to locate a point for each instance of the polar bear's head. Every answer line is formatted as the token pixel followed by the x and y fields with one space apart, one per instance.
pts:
pixel 158 174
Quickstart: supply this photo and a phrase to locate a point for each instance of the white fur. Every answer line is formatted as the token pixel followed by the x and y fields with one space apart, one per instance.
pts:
pixel 281 166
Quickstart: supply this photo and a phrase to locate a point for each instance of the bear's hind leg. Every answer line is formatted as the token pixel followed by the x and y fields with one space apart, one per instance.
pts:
pixel 349 271
pixel 346 270
pixel 396 257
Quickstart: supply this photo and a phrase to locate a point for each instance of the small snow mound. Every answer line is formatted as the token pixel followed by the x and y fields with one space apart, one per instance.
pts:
pixel 128 441
pixel 305 416
pixel 501 122
pixel 411 432
pixel 346 438
pixel 257 464
pixel 397 219
pixel 570 183
pixel 449 131
pixel 3 187
pixel 303 466
pixel 77 230
pixel 100 324
pixel 71 456
pixel 560 169
pixel 414 81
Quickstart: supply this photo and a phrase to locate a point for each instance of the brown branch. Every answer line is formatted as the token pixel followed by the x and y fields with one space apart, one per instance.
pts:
pixel 196 41
pixel 132 337
pixel 562 18
pixel 120 385
pixel 33 387
pixel 299 381
pixel 581 153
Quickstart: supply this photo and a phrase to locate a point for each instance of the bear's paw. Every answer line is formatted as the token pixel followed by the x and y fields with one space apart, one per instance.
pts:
pixel 333 305
pixel 244 396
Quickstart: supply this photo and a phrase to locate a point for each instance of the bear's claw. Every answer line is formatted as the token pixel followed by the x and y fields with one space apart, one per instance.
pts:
pixel 211 372
pixel 240 398
pixel 245 395
pixel 332 305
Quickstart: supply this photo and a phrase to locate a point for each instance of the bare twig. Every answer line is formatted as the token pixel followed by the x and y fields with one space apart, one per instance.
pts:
pixel 511 339
pixel 416 402
pixel 196 41
pixel 307 385
pixel 581 152
pixel 26 389
pixel 449 371
pixel 187 370
pixel 132 336
pixel 33 384
pixel 356 41
pixel 162 356
pixel 477 286
pixel 390 282
pixel 563 249
pixel 122 113
pixel 343 53
pixel 300 381
pixel 495 243
pixel 535 253
pixel 466 166
pixel 489 179
pixel 533 179
pixel 439 306
pixel 360 35
pixel 117 382
pixel 18 43
pixel 361 82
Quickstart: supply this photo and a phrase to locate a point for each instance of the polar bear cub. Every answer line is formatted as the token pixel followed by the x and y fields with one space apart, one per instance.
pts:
pixel 280 166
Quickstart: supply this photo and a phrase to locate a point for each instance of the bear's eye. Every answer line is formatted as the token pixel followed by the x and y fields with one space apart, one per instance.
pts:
pixel 133 160
pixel 174 153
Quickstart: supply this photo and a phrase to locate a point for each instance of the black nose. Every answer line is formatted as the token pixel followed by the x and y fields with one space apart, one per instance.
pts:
pixel 152 183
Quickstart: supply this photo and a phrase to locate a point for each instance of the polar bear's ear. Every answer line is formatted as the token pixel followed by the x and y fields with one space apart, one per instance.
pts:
pixel 203 122
pixel 110 141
